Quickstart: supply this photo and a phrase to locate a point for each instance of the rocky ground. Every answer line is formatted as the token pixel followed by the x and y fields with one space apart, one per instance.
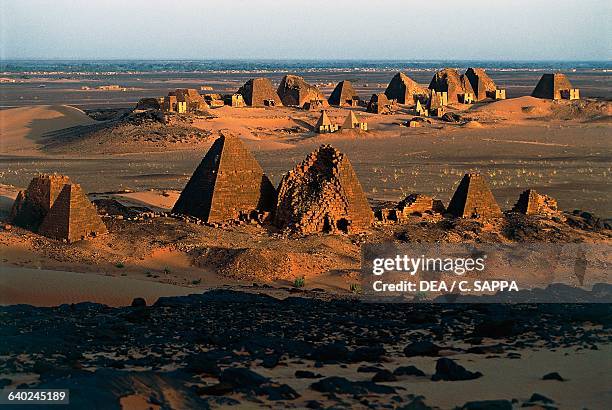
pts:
pixel 225 348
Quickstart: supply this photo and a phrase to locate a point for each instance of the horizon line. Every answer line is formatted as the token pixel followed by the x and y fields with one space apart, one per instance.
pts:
pixel 294 59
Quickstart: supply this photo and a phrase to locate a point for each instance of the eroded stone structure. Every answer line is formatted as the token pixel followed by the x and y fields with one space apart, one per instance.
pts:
pixel 234 100
pixel 482 85
pixel 532 203
pixel 380 104
pixel 323 194
pixel 473 199
pixel 294 91
pixel 555 87
pixel 352 122
pixel 344 95
pixel 55 207
pixel 324 124
pixel 314 105
pixel 229 184
pixel 448 80
pixel 259 92
pixel 183 100
pixel 404 89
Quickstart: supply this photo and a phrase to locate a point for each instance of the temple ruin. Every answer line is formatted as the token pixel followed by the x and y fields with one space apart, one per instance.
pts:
pixel 259 92
pixel 473 199
pixel 234 100
pixel 380 104
pixel 532 203
pixel 344 95
pixel 482 85
pixel 229 184
pixel 294 91
pixel 352 122
pixel 55 207
pixel 555 87
pixel 324 124
pixel 323 194
pixel 404 89
pixel 448 80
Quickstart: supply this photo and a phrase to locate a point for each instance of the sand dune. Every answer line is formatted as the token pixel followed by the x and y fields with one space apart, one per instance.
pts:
pixel 23 128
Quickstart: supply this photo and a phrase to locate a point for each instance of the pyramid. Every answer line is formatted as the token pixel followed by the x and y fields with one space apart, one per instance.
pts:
pixel 473 198
pixel 379 104
pixel 259 92
pixel 344 95
pixel 448 80
pixel 403 89
pixel 227 183
pixel 532 203
pixel 324 124
pixel 551 85
pixel 352 122
pixel 293 90
pixel 481 83
pixel 31 206
pixel 322 194
pixel 72 217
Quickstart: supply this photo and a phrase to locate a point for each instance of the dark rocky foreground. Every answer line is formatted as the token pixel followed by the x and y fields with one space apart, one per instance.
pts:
pixel 225 348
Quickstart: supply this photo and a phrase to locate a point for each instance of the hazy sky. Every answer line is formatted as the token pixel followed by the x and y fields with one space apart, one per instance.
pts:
pixel 331 29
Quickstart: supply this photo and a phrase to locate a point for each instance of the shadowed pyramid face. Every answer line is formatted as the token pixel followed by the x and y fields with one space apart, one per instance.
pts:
pixel 227 183
pixel 473 198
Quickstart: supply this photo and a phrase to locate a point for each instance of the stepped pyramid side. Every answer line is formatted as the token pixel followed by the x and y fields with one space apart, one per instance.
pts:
pixel 228 182
pixel 72 217
pixel 473 198
pixel 323 194
pixel 344 95
pixel 259 92
pixel 31 206
pixel 403 89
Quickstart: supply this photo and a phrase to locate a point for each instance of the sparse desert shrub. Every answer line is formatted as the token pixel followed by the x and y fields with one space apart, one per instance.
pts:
pixel 299 282
pixel 355 288
pixel 196 281
pixel 166 271
pixel 119 265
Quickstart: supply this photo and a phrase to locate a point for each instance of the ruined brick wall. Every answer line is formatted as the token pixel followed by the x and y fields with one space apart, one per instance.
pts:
pixel 404 89
pixel 294 91
pixel 473 198
pixel 228 182
pixel 343 93
pixel 257 91
pixel 323 194
pixel 448 80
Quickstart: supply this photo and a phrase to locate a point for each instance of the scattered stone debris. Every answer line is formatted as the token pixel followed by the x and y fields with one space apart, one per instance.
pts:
pixel 448 369
pixel 55 207
pixel 323 194
pixel 228 183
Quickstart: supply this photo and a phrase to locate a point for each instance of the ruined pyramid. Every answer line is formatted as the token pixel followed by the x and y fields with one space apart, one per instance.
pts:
pixel 532 203
pixel 294 91
pixel 259 92
pixel 551 86
pixel 473 199
pixel 481 83
pixel 324 124
pixel 228 183
pixel 448 80
pixel 344 95
pixel 57 208
pixel 322 194
pixel 404 89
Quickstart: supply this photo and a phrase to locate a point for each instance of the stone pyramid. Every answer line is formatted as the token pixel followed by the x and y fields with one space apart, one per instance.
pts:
pixel 473 199
pixel 532 203
pixel 551 85
pixel 258 92
pixel 72 217
pixel 448 80
pixel 228 183
pixel 403 89
pixel 323 194
pixel 293 90
pixel 351 121
pixel 481 83
pixel 344 95
pixel 57 208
